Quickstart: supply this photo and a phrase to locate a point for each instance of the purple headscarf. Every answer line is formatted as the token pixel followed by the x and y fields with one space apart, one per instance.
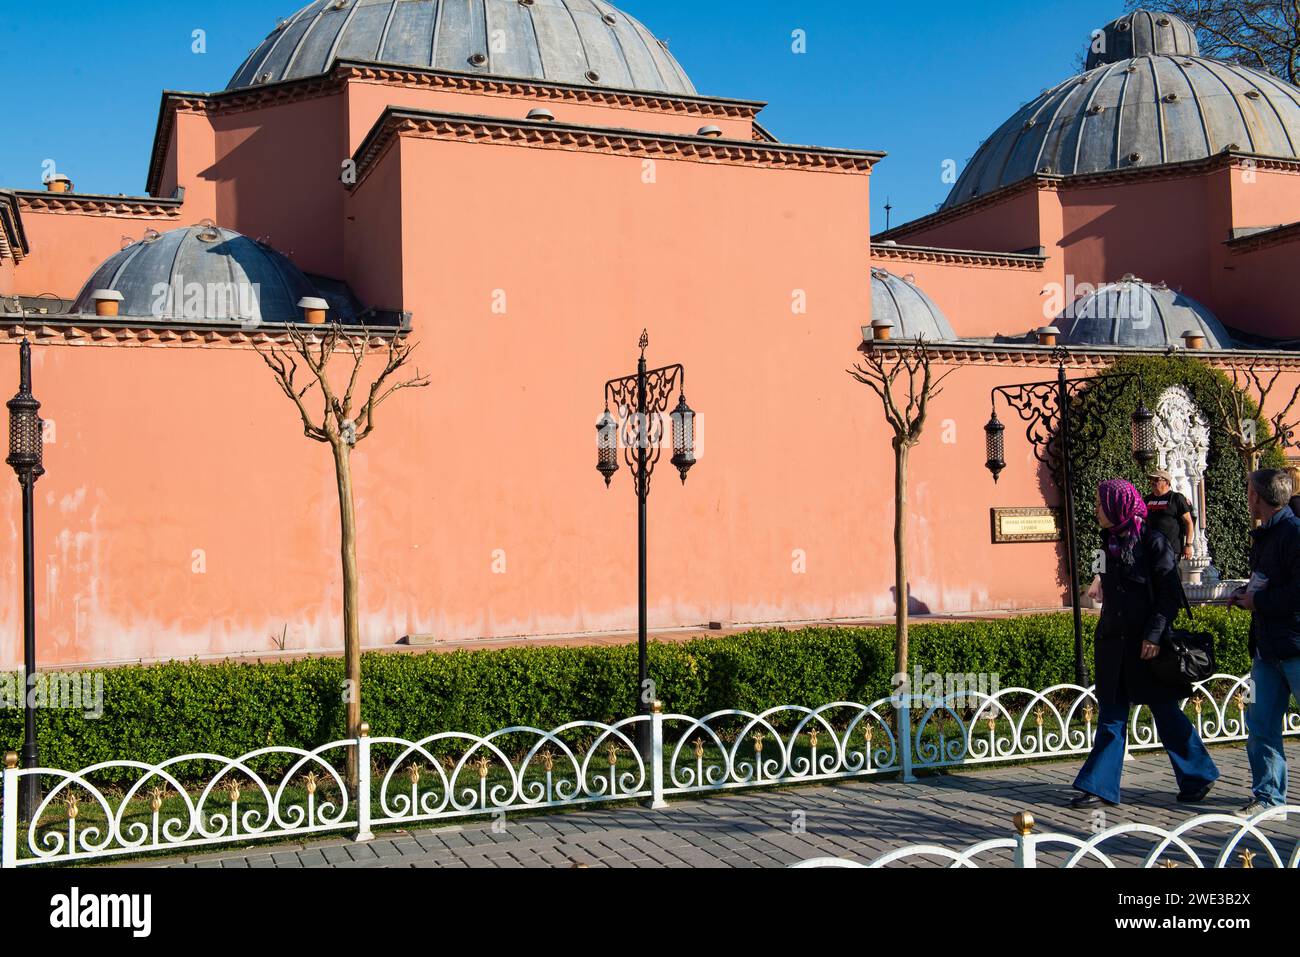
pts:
pixel 1127 511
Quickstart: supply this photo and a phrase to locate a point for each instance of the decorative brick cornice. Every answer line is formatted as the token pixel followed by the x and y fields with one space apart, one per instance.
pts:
pixel 84 330
pixel 956 257
pixel 345 71
pixel 592 139
pixel 86 204
pixel 1079 357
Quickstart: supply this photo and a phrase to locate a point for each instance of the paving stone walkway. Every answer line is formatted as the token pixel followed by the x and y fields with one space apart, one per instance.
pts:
pixel 859 820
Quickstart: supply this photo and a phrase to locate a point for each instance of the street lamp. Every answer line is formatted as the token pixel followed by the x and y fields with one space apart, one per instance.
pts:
pixel 26 452
pixel 641 401
pixel 1048 410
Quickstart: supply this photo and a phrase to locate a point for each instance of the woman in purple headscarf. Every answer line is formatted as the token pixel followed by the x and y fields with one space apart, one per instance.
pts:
pixel 1141 595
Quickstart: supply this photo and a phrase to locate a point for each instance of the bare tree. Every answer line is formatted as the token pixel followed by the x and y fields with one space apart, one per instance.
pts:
pixel 902 377
pixel 1242 403
pixel 347 418
pixel 1264 34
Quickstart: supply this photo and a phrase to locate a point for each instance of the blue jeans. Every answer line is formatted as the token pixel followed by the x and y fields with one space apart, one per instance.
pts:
pixel 1274 682
pixel 1193 766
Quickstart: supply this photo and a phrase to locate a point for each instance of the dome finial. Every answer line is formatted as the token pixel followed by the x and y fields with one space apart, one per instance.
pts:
pixel 1141 33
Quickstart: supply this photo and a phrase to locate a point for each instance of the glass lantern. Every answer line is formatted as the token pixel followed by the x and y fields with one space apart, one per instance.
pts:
pixel 995 446
pixel 1144 435
pixel 26 442
pixel 607 447
pixel 683 437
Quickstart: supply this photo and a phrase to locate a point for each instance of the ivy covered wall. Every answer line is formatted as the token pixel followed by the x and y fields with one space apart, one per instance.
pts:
pixel 1228 520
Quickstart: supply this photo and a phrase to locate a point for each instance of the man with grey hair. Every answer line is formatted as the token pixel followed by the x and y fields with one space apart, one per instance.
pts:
pixel 1273 599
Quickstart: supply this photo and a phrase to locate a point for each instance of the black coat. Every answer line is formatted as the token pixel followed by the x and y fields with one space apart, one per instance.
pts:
pixel 1275 625
pixel 1134 611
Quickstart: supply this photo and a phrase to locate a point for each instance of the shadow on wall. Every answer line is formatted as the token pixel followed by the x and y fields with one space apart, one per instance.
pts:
pixel 914 607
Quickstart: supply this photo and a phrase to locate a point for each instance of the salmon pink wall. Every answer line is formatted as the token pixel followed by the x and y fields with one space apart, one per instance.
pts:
pixel 1259 288
pixel 373 235
pixel 1009 225
pixel 1262 197
pixel 277 175
pixel 67 247
pixel 978 300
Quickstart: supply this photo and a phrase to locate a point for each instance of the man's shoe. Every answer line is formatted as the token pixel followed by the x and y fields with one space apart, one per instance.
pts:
pixel 1256 807
pixel 1085 800
pixel 1195 797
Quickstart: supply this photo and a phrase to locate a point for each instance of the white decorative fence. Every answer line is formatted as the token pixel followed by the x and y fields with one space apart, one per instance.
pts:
pixel 1231 842
pixel 282 792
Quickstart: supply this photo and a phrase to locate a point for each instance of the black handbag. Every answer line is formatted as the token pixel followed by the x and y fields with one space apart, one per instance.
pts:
pixel 1186 657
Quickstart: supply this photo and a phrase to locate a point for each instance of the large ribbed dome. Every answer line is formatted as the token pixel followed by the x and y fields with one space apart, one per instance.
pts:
pixel 201 274
pixel 911 313
pixel 1141 315
pixel 565 41
pixel 1133 113
pixel 1140 33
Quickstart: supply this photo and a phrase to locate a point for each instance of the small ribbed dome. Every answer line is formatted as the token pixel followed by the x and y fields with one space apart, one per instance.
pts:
pixel 564 41
pixel 201 274
pixel 1135 113
pixel 1141 315
pixel 1141 33
pixel 912 313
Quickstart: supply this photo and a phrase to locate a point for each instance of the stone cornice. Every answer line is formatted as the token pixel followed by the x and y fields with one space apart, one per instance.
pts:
pixel 956 257
pixel 597 139
pixel 1277 236
pixel 87 204
pixel 1012 354
pixel 82 330
pixel 344 71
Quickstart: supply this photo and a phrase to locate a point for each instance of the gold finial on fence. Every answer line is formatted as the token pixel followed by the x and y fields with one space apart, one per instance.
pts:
pixel 1038 716
pixel 612 751
pixel 657 707
pixel 699 747
pixel 72 803
pixel 1247 859
pixel 156 797
pixel 312 782
pixel 548 760
pixel 812 737
pixel 232 788
pixel 1196 703
pixel 11 760
pixel 1239 700
pixel 483 763
pixel 758 742
pixel 991 722
pixel 413 773
pixel 1168 865
pixel 867 733
pixel 1024 823
pixel 1088 712
pixel 363 729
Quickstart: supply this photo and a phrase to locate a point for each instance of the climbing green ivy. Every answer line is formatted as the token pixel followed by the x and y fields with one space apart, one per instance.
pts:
pixel 1228 520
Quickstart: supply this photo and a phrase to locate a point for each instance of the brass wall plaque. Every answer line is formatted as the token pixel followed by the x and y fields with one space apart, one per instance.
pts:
pixel 1026 525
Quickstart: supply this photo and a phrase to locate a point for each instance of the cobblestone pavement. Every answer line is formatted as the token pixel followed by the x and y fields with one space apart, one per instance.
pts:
pixel 859 820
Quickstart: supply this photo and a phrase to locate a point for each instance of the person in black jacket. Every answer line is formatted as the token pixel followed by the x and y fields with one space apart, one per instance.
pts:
pixel 1141 594
pixel 1273 599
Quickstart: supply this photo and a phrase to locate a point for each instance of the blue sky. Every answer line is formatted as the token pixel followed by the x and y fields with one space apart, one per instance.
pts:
pixel 924 82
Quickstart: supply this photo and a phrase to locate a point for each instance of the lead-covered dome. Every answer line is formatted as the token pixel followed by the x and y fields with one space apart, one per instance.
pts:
pixel 905 306
pixel 566 41
pixel 1141 33
pixel 201 274
pixel 1144 111
pixel 1142 315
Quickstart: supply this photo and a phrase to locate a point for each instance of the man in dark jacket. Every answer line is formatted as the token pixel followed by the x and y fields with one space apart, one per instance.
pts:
pixel 1273 598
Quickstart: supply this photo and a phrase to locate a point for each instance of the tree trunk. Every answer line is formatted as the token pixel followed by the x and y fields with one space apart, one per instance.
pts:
pixel 900 557
pixel 351 624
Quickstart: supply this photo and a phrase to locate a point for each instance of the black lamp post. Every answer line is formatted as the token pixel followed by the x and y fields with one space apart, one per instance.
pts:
pixel 641 401
pixel 1056 437
pixel 26 448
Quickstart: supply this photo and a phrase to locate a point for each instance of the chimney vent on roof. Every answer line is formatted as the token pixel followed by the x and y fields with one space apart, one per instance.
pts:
pixel 713 131
pixel 107 302
pixel 1194 339
pixel 58 183
pixel 542 115
pixel 313 310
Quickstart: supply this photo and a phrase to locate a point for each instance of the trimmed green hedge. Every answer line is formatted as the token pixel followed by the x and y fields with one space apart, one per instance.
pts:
pixel 157 712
